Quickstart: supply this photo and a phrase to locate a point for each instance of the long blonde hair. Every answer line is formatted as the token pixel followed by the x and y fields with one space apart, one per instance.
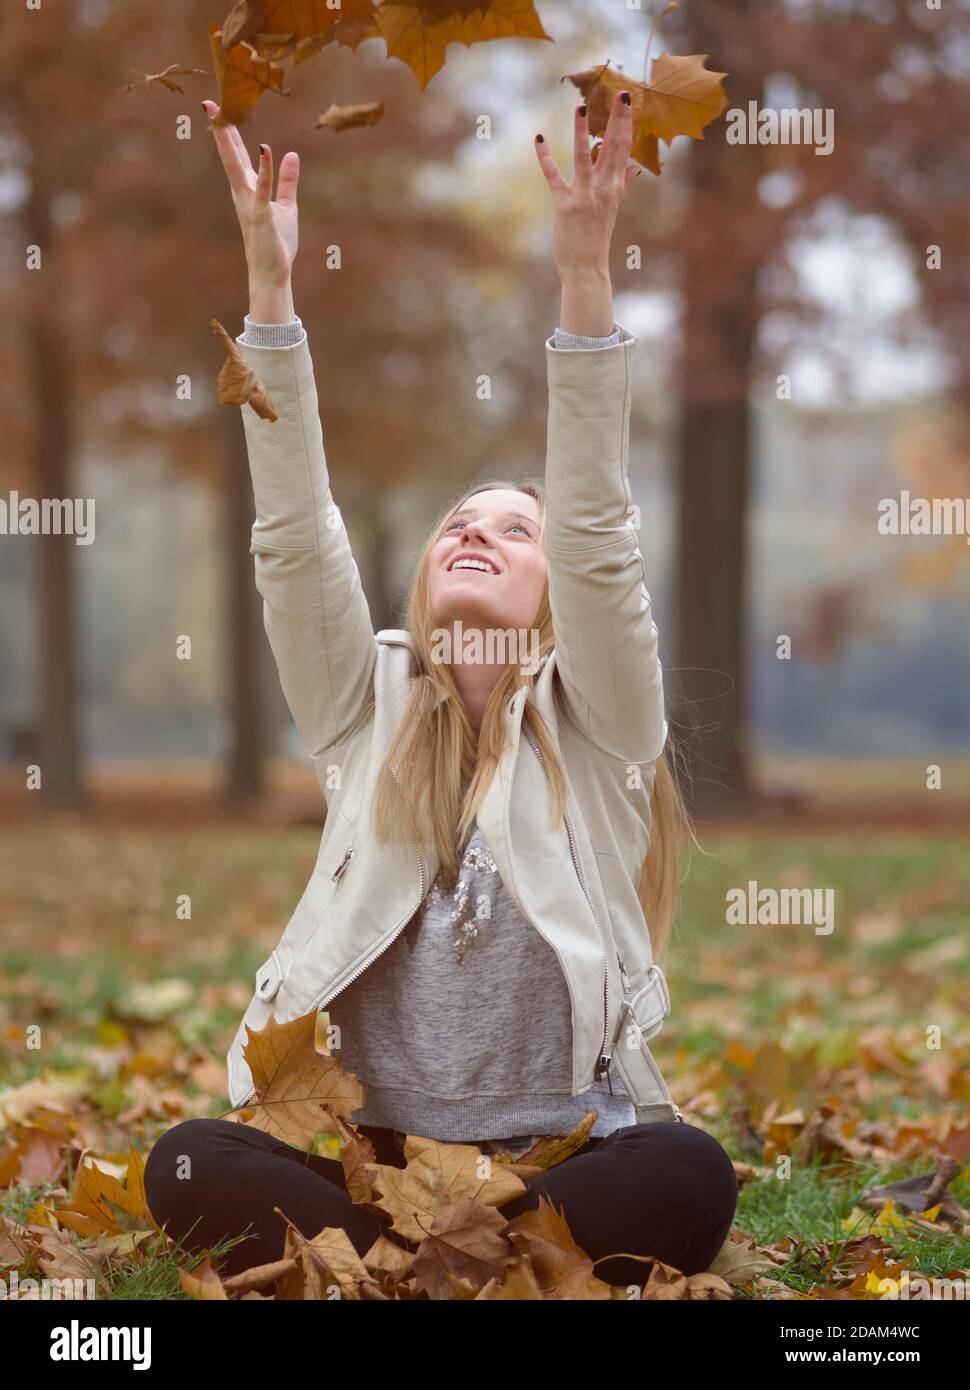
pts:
pixel 449 770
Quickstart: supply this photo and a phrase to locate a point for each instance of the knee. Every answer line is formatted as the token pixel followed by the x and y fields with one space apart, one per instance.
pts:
pixel 697 1170
pixel 171 1161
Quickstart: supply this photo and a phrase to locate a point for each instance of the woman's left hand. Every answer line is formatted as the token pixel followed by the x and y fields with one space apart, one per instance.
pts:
pixel 585 210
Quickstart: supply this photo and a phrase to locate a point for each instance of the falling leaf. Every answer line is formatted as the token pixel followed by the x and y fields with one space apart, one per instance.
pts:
pixel 290 31
pixel 243 76
pixel 166 78
pixel 299 1092
pixel 238 383
pixel 681 98
pixel 347 117
pixel 419 33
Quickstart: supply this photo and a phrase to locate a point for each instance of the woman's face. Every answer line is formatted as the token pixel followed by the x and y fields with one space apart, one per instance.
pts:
pixel 501 529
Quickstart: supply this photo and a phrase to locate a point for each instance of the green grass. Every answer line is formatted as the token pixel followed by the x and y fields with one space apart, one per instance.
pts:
pixel 89 913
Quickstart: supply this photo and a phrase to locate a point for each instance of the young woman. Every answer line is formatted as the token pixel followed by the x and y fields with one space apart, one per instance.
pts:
pixel 502 820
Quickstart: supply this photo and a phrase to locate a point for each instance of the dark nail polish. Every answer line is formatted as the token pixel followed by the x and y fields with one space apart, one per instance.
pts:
pixel 540 138
pixel 582 110
pixel 262 149
pixel 626 98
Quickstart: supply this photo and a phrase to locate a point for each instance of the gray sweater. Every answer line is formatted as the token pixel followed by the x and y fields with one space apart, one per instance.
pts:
pixel 462 1029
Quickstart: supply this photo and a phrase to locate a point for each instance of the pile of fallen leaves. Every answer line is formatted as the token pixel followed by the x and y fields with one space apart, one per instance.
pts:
pixel 444 1234
pixel 446 1238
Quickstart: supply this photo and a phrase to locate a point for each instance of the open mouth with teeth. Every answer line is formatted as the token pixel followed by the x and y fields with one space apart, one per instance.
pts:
pixel 481 566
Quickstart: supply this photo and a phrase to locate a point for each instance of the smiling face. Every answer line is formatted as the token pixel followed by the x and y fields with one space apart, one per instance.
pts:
pixel 488 566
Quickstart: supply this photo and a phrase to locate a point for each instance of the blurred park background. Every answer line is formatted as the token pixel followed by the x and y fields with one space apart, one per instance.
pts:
pixel 739 267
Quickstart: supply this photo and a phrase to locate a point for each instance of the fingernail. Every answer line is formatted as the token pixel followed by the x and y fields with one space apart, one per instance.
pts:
pixel 582 110
pixel 204 108
pixel 262 150
pixel 540 138
pixel 626 98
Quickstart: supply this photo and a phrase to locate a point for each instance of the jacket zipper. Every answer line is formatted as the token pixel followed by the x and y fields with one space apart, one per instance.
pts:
pixel 343 864
pixel 605 1059
pixel 323 999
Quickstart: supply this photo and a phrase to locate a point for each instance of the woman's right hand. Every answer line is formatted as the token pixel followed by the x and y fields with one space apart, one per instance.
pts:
pixel 269 228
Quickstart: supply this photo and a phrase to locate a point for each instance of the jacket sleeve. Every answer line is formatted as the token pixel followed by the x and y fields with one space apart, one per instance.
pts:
pixel 606 639
pixel 314 607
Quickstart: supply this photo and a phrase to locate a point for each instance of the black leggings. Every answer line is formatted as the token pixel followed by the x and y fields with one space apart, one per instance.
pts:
pixel 665 1189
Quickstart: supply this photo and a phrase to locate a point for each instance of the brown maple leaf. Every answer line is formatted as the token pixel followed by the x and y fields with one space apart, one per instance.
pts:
pixel 290 31
pixel 101 1205
pixel 299 1092
pixel 243 77
pixel 681 98
pixel 561 1267
pixel 437 1175
pixel 465 1245
pixel 347 117
pixel 238 383
pixel 420 32
pixel 166 78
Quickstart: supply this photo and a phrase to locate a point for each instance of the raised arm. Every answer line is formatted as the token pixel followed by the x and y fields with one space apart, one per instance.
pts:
pixel 606 639
pixel 314 608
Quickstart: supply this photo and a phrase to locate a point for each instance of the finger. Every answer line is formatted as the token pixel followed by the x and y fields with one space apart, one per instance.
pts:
pixel 550 168
pixel 228 151
pixel 264 178
pixel 633 171
pixel 582 155
pixel 618 138
pixel 289 178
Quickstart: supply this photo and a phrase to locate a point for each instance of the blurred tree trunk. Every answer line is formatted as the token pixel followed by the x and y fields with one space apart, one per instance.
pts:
pixel 382 546
pixel 53 441
pixel 720 265
pixel 244 772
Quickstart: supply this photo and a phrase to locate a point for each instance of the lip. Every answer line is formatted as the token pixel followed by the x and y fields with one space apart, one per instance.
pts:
pixel 473 555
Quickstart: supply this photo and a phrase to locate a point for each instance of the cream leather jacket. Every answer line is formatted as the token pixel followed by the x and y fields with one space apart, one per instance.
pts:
pixel 600 692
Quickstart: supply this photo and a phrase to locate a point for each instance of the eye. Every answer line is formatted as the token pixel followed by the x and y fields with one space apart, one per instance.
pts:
pixel 522 528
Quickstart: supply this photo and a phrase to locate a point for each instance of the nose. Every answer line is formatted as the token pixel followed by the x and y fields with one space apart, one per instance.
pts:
pixel 475 531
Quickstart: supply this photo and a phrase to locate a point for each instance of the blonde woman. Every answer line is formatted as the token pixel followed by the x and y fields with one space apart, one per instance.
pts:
pixel 497 874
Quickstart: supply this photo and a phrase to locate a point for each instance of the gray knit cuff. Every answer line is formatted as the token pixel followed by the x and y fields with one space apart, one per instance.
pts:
pixel 562 339
pixel 272 335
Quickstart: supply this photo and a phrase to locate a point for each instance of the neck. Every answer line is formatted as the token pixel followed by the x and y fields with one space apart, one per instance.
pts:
pixel 475 683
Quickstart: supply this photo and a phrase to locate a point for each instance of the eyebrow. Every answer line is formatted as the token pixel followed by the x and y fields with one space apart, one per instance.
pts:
pixel 508 516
